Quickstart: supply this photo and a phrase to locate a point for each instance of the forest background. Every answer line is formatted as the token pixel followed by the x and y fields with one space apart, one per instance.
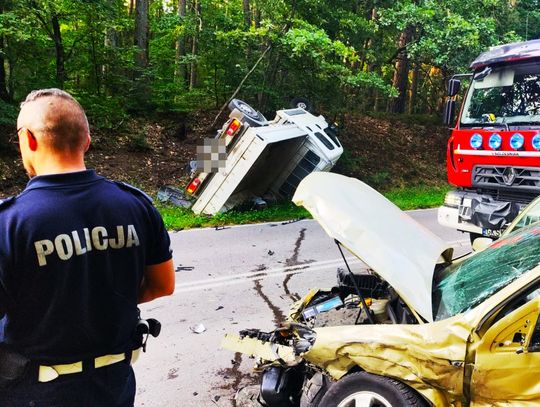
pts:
pixel 153 74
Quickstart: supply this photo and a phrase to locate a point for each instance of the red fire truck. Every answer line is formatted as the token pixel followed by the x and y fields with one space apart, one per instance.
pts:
pixel 493 154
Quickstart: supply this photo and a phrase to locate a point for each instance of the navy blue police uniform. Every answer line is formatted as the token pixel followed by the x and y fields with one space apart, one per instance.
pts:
pixel 73 250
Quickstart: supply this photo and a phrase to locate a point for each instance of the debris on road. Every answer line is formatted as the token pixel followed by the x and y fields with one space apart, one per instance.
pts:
pixel 173 195
pixel 197 329
pixel 184 268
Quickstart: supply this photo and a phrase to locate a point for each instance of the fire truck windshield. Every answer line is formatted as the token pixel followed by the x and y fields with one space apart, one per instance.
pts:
pixel 507 96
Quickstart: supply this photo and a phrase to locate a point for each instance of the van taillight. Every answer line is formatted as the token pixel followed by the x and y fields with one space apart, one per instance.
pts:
pixel 233 127
pixel 193 185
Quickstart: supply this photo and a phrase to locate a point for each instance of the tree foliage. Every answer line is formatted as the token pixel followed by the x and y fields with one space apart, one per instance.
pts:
pixel 343 55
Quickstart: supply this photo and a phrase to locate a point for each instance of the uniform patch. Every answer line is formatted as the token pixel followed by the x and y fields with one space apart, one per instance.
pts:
pixel 81 242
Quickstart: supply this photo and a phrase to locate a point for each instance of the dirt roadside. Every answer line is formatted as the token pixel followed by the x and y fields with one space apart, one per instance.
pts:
pixel 385 153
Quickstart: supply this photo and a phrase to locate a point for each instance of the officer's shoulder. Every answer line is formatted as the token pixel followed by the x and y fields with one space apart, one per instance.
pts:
pixel 6 202
pixel 133 190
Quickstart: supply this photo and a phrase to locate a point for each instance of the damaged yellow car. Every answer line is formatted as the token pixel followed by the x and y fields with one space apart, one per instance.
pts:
pixel 420 329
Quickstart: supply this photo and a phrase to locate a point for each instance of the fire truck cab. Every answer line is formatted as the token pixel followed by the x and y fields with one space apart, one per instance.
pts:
pixel 493 154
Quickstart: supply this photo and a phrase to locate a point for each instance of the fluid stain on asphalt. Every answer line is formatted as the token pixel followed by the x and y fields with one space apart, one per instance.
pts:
pixel 293 261
pixel 234 377
pixel 278 314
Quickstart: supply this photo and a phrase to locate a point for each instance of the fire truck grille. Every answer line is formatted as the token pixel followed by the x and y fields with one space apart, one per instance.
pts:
pixel 306 165
pixel 510 196
pixel 509 178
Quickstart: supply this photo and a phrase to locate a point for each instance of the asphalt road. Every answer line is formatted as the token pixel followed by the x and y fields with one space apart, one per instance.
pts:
pixel 230 279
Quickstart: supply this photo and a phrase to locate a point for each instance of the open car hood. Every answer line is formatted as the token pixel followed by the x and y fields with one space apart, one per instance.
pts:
pixel 389 241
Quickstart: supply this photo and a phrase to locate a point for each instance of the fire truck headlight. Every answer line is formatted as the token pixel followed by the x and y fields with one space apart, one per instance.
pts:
pixel 452 199
pixel 536 141
pixel 495 141
pixel 476 141
pixel 516 141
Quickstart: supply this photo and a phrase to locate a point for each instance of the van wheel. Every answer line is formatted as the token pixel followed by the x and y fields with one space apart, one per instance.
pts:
pixel 252 116
pixel 301 103
pixel 366 390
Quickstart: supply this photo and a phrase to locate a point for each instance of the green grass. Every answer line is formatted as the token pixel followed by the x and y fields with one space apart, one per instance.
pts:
pixel 177 218
pixel 418 197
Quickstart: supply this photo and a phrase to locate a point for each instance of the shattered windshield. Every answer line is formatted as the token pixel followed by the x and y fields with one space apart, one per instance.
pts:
pixel 507 95
pixel 461 286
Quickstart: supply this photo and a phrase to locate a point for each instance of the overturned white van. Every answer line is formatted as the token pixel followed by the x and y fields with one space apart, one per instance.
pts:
pixel 264 157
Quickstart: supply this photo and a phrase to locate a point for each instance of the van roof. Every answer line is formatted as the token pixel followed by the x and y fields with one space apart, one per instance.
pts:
pixel 516 51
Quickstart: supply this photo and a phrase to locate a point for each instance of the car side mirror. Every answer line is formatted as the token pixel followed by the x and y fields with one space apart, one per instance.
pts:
pixel 481 243
pixel 454 85
pixel 449 112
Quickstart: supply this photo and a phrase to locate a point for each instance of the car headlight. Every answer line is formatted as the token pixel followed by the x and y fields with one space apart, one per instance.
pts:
pixel 452 199
pixel 495 141
pixel 476 141
pixel 516 141
pixel 536 141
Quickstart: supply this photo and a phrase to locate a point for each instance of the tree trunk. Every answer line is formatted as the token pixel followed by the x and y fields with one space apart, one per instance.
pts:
pixel 141 33
pixel 4 94
pixel 247 14
pixel 59 48
pixel 257 15
pixel 401 79
pixel 374 16
pixel 131 7
pixel 270 77
pixel 193 77
pixel 180 71
pixel 414 89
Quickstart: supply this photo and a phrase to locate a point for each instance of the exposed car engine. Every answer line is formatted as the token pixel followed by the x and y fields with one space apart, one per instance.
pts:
pixel 342 305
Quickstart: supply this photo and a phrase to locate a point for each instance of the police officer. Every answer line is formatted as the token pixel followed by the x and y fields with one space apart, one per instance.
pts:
pixel 78 252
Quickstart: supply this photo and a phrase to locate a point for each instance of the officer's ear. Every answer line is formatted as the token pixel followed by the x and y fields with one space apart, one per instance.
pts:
pixel 88 141
pixel 32 141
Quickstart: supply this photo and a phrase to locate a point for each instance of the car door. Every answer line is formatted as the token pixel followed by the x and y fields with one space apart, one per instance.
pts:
pixel 507 364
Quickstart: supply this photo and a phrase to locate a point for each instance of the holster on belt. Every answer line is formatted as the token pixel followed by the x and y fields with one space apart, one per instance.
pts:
pixel 13 366
pixel 145 328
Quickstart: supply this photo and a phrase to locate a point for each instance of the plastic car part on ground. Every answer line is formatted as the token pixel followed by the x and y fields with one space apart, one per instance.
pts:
pixel 173 195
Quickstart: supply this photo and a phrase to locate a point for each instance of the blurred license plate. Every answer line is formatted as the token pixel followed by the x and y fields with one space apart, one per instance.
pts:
pixel 491 233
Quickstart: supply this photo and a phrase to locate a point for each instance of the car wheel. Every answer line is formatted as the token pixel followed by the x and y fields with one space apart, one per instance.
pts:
pixel 301 103
pixel 366 390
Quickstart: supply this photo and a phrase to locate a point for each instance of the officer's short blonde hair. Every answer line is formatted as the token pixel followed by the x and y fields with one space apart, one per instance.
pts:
pixel 65 126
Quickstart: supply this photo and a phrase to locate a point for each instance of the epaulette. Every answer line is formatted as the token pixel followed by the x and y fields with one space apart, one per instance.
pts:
pixel 4 203
pixel 134 190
